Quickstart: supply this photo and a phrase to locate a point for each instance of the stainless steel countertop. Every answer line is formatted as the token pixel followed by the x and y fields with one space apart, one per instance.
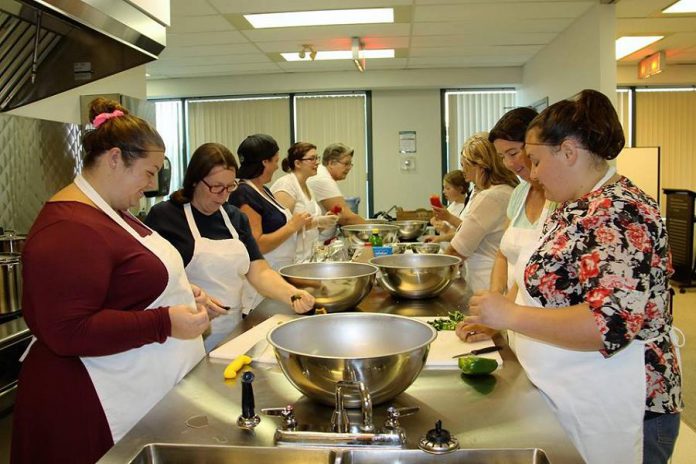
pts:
pixel 11 331
pixel 499 411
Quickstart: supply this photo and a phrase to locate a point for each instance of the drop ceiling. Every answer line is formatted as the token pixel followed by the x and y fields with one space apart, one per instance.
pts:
pixel 209 38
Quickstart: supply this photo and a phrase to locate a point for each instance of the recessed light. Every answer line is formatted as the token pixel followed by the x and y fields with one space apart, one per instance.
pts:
pixel 321 17
pixel 682 6
pixel 630 44
pixel 340 55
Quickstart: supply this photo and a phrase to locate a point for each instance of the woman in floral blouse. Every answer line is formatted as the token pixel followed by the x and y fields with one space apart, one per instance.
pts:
pixel 595 334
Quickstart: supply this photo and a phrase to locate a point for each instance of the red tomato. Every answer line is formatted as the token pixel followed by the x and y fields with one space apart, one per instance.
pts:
pixel 435 201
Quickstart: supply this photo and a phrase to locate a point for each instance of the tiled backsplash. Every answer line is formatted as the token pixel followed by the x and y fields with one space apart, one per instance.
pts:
pixel 37 158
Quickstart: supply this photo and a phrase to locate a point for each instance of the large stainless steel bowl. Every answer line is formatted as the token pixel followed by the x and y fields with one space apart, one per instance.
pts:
pixel 416 275
pixel 384 351
pixel 359 234
pixel 336 286
pixel 408 230
pixel 426 248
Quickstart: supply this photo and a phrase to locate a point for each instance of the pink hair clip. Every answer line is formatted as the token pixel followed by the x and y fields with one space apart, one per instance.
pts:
pixel 101 118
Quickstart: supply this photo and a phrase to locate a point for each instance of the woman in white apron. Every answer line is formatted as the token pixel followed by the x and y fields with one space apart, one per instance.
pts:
pixel 292 192
pixel 484 221
pixel 526 212
pixel 115 320
pixel 216 243
pixel 274 227
pixel 455 188
pixel 602 348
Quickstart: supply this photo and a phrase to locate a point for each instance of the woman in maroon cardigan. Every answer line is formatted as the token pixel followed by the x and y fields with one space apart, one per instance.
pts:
pixel 115 321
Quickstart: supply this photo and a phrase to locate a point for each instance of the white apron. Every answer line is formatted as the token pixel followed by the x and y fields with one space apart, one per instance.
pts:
pixel 130 383
pixel 600 402
pixel 283 255
pixel 307 238
pixel 219 267
pixel 516 240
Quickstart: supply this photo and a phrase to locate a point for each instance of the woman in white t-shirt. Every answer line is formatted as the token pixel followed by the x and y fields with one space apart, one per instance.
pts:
pixel 446 220
pixel 292 192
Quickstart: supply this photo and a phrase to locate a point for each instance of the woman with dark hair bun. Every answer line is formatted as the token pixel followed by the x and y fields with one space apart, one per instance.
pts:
pixel 216 243
pixel 292 192
pixel 594 330
pixel 116 324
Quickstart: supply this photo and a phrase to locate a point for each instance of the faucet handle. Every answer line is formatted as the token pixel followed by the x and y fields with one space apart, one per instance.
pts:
pixel 248 420
pixel 393 415
pixel 287 413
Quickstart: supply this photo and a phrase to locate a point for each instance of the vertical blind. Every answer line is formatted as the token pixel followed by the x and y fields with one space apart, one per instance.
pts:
pixel 471 112
pixel 169 119
pixel 230 121
pixel 325 119
pixel 668 120
pixel 623 109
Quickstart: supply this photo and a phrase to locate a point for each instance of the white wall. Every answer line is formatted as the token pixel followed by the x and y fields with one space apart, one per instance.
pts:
pixel 65 107
pixel 581 57
pixel 328 81
pixel 400 110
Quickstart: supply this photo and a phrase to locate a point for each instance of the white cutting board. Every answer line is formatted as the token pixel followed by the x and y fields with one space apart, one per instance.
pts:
pixel 447 344
pixel 244 342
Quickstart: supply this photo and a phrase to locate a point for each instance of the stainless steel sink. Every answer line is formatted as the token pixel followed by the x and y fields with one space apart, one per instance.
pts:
pixel 159 453
pixel 461 456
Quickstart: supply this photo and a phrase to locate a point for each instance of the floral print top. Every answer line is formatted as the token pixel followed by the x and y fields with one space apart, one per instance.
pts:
pixel 609 249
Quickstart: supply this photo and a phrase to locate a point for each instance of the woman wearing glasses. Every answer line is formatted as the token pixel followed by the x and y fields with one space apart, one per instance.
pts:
pixel 292 192
pixel 594 328
pixel 477 238
pixel 216 242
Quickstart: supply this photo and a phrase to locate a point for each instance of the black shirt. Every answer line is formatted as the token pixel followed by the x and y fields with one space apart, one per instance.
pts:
pixel 271 217
pixel 169 220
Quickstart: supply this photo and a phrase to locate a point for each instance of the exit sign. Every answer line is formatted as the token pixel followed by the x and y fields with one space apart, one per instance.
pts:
pixel 651 65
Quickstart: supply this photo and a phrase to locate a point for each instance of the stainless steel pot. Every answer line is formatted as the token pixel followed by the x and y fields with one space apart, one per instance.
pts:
pixel 11 242
pixel 10 283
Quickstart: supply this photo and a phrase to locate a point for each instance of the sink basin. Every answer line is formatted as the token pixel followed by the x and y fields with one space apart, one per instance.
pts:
pixel 463 456
pixel 160 453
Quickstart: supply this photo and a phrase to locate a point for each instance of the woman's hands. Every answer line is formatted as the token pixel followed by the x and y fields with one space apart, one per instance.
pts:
pixel 213 306
pixel 324 222
pixel 474 332
pixel 188 322
pixel 299 221
pixel 301 301
pixel 490 309
pixel 442 214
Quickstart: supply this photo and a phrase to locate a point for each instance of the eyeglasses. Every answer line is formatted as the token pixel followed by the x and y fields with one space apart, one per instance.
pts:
pixel 313 159
pixel 221 188
pixel 348 164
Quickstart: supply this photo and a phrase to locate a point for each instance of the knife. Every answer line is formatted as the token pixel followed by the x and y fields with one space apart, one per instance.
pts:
pixel 257 349
pixel 488 349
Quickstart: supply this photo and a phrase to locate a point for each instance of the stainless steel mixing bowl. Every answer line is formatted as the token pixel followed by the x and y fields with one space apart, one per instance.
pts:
pixel 359 234
pixel 384 351
pixel 408 230
pixel 425 248
pixel 336 286
pixel 416 276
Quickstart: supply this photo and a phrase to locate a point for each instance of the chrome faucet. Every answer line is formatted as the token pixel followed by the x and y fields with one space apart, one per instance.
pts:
pixel 339 421
pixel 392 435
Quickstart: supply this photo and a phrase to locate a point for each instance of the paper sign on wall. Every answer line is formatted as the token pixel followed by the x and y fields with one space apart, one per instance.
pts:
pixel 407 141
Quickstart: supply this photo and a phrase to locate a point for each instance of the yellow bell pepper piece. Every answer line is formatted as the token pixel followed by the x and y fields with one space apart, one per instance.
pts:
pixel 234 367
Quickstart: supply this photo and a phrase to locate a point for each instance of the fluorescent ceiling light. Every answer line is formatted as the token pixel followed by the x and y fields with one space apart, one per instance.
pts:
pixel 340 55
pixel 682 6
pixel 630 44
pixel 321 18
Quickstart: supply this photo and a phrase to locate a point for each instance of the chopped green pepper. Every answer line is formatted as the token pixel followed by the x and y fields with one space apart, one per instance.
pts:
pixel 448 324
pixel 477 365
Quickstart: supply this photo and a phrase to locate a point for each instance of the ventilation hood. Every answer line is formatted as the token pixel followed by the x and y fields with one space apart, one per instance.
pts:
pixel 50 46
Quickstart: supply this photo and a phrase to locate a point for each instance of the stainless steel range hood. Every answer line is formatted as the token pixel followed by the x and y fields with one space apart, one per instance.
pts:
pixel 50 46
